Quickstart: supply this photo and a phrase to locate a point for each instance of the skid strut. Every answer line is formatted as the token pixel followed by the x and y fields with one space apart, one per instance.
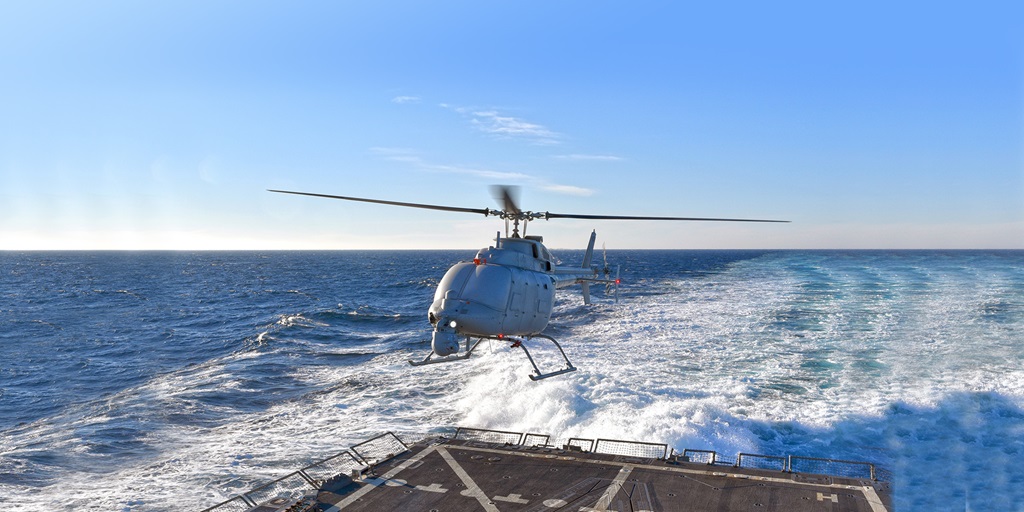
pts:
pixel 518 342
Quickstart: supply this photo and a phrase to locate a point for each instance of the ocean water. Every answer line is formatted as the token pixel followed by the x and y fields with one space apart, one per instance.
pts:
pixel 173 381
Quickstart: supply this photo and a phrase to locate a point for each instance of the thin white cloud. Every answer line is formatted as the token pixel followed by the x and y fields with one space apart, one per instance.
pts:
pixel 492 122
pixel 498 124
pixel 569 190
pixel 460 110
pixel 396 154
pixel 407 156
pixel 405 99
pixel 579 157
pixel 479 173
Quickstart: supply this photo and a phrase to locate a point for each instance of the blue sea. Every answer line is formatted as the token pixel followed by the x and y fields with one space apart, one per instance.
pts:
pixel 151 381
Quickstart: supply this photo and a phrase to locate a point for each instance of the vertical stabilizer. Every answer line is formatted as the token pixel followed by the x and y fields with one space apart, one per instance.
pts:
pixel 586 264
pixel 590 250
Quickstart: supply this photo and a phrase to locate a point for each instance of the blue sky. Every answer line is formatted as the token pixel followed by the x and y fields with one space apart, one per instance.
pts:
pixel 146 125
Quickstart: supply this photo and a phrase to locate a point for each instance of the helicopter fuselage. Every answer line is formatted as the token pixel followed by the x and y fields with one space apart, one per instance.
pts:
pixel 506 290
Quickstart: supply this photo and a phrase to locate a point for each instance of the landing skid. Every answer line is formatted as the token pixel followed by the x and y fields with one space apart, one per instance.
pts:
pixel 516 342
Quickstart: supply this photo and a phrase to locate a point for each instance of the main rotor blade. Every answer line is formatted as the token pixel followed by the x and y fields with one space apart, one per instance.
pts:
pixel 483 211
pixel 629 217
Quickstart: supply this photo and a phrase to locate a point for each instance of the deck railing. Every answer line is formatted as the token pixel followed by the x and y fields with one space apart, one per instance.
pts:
pixel 833 467
pixel 309 478
pixel 638 449
pixel 488 436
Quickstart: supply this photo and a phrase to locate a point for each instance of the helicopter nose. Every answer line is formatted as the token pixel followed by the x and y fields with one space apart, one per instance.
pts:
pixel 445 340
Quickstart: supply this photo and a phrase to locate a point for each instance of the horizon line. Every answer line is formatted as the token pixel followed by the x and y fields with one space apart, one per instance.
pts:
pixel 550 248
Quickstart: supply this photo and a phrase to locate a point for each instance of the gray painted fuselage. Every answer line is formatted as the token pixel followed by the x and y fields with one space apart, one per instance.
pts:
pixel 507 290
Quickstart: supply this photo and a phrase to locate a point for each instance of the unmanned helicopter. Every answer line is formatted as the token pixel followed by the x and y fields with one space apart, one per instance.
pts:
pixel 507 291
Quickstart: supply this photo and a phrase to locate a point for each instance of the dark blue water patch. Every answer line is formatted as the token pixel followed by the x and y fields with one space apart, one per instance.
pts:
pixel 369 314
pixel 30 469
pixel 1001 311
pixel 416 342
pixel 867 362
pixel 419 284
pixel 816 365
pixel 312 342
pixel 106 439
pixel 798 319
pixel 346 358
pixel 786 389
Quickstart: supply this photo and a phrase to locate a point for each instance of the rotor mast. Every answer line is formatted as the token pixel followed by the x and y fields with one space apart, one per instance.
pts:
pixel 517 217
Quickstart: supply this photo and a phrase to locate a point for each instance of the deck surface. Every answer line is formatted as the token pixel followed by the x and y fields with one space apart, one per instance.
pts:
pixel 461 475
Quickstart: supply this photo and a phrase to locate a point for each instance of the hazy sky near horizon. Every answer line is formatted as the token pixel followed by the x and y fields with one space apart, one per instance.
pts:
pixel 160 125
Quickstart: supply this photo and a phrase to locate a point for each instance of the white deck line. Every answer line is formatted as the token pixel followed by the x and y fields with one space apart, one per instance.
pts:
pixel 874 500
pixel 472 489
pixel 612 490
